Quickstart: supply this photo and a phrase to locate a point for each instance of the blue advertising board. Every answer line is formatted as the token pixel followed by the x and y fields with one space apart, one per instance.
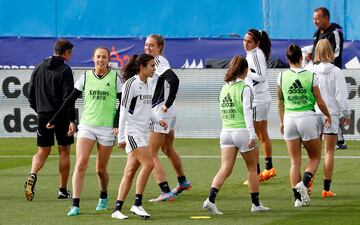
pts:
pixel 181 53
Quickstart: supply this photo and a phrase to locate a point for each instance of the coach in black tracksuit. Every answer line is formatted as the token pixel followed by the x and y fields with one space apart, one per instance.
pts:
pixel 51 82
pixel 332 32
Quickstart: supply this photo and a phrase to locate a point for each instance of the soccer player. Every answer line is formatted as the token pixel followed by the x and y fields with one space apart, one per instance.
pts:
pixel 257 46
pixel 237 134
pixel 333 89
pixel 50 84
pixel 297 92
pixel 165 85
pixel 333 33
pixel 98 125
pixel 135 116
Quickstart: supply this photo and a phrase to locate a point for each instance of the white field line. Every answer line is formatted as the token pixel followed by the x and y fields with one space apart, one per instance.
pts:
pixel 184 156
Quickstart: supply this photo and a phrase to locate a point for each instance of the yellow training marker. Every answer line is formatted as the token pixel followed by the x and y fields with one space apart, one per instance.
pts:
pixel 199 217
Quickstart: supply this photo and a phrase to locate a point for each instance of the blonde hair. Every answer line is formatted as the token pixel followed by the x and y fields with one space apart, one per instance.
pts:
pixel 323 52
pixel 159 41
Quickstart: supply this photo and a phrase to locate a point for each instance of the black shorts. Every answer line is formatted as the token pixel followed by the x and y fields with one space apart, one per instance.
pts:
pixel 45 137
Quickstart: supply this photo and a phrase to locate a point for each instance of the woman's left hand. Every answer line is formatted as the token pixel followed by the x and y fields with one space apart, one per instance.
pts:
pixel 252 144
pixel 164 108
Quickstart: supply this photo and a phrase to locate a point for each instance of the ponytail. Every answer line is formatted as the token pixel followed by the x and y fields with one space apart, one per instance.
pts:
pixel 265 44
pixel 261 38
pixel 130 68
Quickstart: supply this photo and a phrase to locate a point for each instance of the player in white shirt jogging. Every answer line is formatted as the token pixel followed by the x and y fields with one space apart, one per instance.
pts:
pixel 257 46
pixel 334 91
pixel 165 85
pixel 135 116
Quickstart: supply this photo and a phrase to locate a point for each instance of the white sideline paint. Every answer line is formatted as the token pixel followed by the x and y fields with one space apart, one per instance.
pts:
pixel 183 157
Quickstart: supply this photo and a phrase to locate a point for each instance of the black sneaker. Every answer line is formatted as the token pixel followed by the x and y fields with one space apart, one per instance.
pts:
pixel 65 195
pixel 30 187
pixel 341 146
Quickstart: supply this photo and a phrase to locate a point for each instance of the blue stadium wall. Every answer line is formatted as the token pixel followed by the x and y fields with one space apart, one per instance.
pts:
pixel 195 31
pixel 283 19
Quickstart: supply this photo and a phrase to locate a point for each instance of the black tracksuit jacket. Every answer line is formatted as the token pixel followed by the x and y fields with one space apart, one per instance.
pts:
pixel 50 84
pixel 336 38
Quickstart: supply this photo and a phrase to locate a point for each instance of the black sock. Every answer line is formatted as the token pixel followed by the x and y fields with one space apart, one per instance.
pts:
pixel 307 178
pixel 118 205
pixel 164 186
pixel 255 198
pixel 258 169
pixel 213 193
pixel 103 194
pixel 268 163
pixel 138 199
pixel 327 184
pixel 63 190
pixel 181 179
pixel 296 194
pixel 34 176
pixel 76 202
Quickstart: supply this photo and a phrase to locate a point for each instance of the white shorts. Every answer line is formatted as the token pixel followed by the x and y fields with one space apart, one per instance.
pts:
pixel 155 127
pixel 238 138
pixel 305 127
pixel 134 142
pixel 103 135
pixel 333 128
pixel 261 112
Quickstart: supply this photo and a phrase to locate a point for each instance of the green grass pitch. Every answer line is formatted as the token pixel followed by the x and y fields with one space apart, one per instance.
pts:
pixel 201 162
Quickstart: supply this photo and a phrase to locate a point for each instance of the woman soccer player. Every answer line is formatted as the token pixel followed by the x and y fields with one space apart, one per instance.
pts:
pixel 237 134
pixel 297 92
pixel 165 84
pixel 135 115
pixel 98 125
pixel 257 46
pixel 333 89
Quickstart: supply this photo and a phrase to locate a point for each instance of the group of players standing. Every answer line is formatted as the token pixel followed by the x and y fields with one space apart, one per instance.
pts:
pixel 308 104
pixel 311 101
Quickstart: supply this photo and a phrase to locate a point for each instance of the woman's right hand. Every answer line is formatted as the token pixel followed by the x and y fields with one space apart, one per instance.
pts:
pixel 50 126
pixel 122 145
pixel 327 121
pixel 282 128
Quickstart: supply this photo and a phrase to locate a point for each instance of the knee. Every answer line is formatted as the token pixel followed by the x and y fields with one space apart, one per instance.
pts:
pixel 64 154
pixel 166 151
pixel 149 165
pixel 101 172
pixel 130 172
pixel 226 171
pixel 81 167
pixel 42 154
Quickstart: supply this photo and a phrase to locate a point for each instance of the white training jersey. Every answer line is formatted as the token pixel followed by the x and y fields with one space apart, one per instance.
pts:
pixel 333 89
pixel 135 111
pixel 165 85
pixel 257 76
